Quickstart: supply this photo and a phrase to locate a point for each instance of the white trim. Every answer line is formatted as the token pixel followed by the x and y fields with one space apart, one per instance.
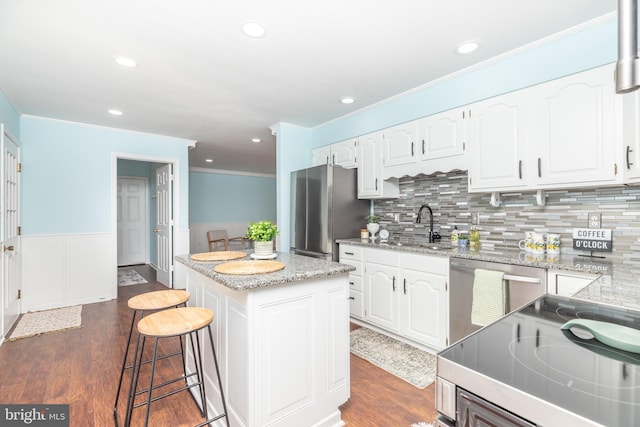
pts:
pixel 178 235
pixel 190 142
pixel 494 59
pixel 230 172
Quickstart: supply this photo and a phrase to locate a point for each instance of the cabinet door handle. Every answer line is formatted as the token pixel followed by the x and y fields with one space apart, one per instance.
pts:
pixel 423 146
pixel 376 184
pixel 520 168
pixel 411 148
pixel 351 283
pixel 327 159
pixel 539 167
pixel 405 286
pixel 348 253
pixel 629 150
pixel 394 283
pixel 334 159
pixel 351 298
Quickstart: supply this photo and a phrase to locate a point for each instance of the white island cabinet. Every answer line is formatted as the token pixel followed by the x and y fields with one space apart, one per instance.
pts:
pixel 282 340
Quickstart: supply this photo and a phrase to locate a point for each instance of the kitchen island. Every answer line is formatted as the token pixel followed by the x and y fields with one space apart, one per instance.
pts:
pixel 282 340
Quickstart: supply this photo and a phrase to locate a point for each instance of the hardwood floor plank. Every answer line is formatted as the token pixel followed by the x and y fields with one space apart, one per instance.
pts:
pixel 80 367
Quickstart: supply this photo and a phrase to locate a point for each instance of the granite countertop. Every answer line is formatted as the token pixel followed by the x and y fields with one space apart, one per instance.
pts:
pixel 618 282
pixel 297 267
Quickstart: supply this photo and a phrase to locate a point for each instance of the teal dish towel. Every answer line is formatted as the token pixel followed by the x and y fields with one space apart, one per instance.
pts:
pixel 490 299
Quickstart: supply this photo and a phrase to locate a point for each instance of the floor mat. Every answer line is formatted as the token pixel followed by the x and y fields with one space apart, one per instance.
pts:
pixel 43 322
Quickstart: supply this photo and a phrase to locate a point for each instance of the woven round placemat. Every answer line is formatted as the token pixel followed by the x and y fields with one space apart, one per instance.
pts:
pixel 249 267
pixel 218 256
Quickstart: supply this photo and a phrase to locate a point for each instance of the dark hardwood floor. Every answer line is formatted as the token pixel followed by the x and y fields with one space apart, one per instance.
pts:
pixel 80 367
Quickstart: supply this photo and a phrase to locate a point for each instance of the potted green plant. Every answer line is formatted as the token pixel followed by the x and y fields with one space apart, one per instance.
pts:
pixel 262 233
pixel 372 225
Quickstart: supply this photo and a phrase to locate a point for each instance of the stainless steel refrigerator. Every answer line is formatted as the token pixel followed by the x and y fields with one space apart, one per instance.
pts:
pixel 325 207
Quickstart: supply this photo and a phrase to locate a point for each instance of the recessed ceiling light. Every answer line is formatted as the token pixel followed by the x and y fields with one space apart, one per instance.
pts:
pixel 126 62
pixel 467 47
pixel 348 100
pixel 254 29
pixel 256 140
pixel 115 112
pixel 208 160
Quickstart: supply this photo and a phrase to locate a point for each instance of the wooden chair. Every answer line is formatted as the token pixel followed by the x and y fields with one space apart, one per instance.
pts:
pixel 220 236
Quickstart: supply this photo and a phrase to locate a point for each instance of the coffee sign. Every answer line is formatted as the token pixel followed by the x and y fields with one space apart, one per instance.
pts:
pixel 592 239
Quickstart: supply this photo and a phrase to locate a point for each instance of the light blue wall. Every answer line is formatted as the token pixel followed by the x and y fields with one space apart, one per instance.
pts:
pixel 66 178
pixel 215 197
pixel 577 52
pixel 9 116
pixel 586 49
pixel 293 152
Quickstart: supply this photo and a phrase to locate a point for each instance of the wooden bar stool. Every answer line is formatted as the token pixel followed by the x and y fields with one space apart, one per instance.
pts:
pixel 171 323
pixel 149 301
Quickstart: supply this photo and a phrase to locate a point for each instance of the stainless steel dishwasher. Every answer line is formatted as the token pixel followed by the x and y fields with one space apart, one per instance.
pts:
pixel 524 285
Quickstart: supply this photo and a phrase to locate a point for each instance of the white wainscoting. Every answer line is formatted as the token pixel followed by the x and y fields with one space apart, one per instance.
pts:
pixel 68 269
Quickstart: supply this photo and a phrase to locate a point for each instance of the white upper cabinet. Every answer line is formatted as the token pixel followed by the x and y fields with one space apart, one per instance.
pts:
pixel 344 153
pixel 573 129
pixel 497 145
pixel 371 185
pixel 432 144
pixel 399 144
pixel 442 135
pixel 566 133
pixel 321 156
pixel 631 136
pixel 341 154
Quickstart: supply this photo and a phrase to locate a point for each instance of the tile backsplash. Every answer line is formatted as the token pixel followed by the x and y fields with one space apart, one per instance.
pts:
pixel 504 226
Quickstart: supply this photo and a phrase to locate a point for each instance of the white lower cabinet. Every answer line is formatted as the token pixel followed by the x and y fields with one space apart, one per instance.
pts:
pixel 406 294
pixel 352 255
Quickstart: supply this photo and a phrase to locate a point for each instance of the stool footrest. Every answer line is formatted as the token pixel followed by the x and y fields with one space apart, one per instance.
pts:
pixel 171 393
pixel 146 362
pixel 155 387
pixel 210 420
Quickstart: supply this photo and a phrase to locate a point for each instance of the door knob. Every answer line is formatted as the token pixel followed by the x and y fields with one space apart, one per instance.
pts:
pixel 155 230
pixel 9 248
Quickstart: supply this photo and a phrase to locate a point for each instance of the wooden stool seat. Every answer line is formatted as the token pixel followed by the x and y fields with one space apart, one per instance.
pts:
pixel 175 321
pixel 158 300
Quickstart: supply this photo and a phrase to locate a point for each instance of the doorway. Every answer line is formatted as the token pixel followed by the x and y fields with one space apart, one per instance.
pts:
pixel 144 214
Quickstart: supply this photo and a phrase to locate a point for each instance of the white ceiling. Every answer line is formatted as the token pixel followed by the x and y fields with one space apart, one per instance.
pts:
pixel 200 78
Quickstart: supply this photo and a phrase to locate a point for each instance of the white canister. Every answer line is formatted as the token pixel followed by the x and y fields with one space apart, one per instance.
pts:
pixel 553 243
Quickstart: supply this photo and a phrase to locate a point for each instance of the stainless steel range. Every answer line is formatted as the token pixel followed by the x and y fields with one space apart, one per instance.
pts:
pixel 524 370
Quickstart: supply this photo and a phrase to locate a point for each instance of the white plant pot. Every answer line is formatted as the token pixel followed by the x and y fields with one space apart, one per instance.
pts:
pixel 263 248
pixel 373 228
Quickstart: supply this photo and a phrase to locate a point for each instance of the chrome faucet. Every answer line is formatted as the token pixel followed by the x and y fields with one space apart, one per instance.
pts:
pixel 419 220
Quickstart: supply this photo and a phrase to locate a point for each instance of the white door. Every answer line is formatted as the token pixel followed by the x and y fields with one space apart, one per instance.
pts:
pixel 497 144
pixel 132 221
pixel 381 284
pixel 11 234
pixel 370 165
pixel 164 225
pixel 399 144
pixel 575 121
pixel 424 307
